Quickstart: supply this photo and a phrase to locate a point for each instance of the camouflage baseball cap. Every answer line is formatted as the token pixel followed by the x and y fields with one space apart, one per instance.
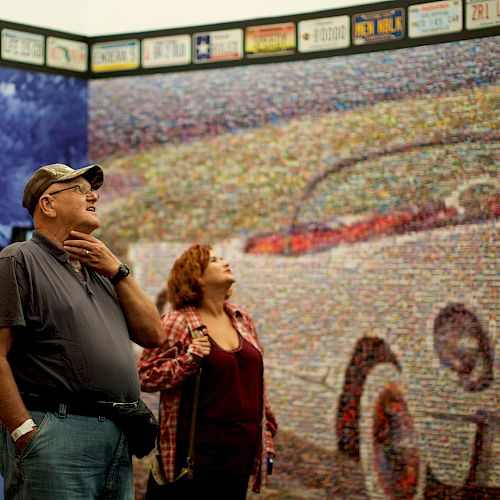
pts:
pixel 57 172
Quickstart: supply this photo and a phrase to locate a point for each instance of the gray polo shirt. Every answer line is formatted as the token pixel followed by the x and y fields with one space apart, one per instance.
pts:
pixel 70 335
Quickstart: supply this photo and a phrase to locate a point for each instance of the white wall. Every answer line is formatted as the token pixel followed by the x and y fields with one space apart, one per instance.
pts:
pixel 105 17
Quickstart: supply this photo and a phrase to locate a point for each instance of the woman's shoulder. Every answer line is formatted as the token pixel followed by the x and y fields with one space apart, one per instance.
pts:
pixel 234 309
pixel 170 316
pixel 175 314
pixel 237 312
pixel 173 320
pixel 182 318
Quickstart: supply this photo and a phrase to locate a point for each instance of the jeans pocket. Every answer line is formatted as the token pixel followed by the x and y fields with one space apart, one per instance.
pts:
pixel 40 418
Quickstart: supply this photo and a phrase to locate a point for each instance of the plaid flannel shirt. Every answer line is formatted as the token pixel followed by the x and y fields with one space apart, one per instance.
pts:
pixel 166 367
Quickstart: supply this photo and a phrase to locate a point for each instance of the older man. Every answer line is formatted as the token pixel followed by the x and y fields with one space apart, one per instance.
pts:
pixel 68 309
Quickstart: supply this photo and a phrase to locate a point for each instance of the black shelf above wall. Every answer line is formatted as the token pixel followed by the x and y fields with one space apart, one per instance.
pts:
pixel 381 26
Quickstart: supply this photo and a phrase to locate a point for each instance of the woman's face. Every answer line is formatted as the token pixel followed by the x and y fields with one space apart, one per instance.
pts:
pixel 217 272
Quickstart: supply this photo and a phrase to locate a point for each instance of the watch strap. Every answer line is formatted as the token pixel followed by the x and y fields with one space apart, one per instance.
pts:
pixel 123 272
pixel 23 429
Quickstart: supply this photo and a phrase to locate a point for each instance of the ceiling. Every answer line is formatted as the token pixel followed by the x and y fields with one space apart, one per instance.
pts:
pixel 106 17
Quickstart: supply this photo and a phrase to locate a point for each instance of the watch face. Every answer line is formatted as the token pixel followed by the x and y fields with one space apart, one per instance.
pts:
pixel 123 271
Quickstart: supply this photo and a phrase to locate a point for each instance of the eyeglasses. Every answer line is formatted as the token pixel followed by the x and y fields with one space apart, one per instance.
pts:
pixel 79 188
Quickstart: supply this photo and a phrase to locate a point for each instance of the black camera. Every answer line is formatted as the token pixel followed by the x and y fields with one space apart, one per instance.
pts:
pixel 270 463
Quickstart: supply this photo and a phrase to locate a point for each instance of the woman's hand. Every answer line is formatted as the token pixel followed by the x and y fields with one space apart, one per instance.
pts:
pixel 202 345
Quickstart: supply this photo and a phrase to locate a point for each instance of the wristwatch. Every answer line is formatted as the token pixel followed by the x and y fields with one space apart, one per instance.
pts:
pixel 123 272
pixel 23 429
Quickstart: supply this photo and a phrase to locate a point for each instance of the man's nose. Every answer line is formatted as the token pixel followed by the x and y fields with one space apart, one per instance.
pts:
pixel 93 195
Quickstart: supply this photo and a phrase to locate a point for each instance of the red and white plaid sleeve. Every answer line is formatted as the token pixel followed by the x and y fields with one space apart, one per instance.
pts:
pixel 173 362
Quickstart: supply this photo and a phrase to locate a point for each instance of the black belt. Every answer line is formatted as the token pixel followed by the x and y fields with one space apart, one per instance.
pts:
pixel 86 408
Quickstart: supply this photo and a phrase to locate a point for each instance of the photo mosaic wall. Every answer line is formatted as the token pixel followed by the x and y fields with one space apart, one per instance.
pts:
pixel 357 199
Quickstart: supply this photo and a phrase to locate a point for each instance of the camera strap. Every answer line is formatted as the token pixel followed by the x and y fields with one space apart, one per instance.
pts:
pixel 188 469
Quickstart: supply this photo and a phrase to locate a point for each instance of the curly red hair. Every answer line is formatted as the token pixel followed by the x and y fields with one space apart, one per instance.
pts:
pixel 184 284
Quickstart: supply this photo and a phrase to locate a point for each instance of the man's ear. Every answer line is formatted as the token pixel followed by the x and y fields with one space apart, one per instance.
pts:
pixel 46 205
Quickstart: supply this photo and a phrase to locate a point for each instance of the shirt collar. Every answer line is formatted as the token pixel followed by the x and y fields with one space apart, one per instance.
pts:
pixel 50 246
pixel 194 319
pixel 233 311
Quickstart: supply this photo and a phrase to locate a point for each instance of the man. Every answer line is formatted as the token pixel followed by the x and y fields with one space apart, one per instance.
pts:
pixel 68 308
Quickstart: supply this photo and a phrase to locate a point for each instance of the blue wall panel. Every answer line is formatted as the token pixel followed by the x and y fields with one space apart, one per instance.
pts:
pixel 43 119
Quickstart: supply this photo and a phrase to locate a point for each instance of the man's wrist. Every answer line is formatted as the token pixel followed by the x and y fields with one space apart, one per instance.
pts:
pixel 23 429
pixel 123 272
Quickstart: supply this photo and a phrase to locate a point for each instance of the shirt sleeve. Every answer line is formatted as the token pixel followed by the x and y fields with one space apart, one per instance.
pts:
pixel 271 425
pixel 12 288
pixel 173 362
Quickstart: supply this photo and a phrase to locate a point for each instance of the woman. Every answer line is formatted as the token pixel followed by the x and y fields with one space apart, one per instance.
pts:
pixel 234 423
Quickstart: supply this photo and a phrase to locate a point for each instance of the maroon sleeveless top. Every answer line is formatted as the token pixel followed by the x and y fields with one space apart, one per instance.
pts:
pixel 229 411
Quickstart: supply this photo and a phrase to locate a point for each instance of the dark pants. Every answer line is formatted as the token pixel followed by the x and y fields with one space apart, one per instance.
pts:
pixel 222 487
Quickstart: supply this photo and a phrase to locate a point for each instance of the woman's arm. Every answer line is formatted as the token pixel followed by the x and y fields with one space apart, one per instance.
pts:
pixel 174 361
pixel 271 425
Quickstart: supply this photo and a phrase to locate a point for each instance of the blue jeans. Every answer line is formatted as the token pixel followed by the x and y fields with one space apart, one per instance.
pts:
pixel 72 457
